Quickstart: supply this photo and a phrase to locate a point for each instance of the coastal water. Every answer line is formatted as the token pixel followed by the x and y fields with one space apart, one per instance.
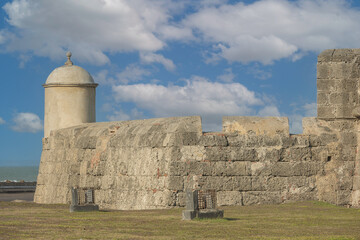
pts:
pixel 26 173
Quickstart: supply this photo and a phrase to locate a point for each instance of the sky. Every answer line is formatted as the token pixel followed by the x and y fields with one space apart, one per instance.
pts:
pixel 162 58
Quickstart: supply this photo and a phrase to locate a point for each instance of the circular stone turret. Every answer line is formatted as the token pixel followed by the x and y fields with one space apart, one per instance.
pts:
pixel 69 97
pixel 69 74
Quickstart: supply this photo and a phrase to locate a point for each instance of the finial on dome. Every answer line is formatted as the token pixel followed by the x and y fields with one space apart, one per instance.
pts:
pixel 68 62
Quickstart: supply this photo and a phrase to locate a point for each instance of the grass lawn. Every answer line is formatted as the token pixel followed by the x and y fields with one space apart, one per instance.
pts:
pixel 304 220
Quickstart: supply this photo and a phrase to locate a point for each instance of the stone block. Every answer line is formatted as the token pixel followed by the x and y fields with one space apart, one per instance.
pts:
pixel 271 141
pixel 296 154
pixel 324 111
pixel 229 198
pixel 178 168
pixel 356 183
pixel 355 198
pixel 198 168
pixel 86 142
pixel 248 141
pixel 341 98
pixel 210 213
pixel 242 154
pixel 299 194
pixel 256 125
pixel 348 138
pixel 282 169
pixel 316 141
pixel 306 168
pixel 189 214
pixel 323 98
pixel 277 184
pixel 260 168
pixel 288 141
pixel 326 55
pixel 175 182
pixel 326 85
pixel 301 140
pixel 259 183
pixel 197 153
pixel 251 198
pixel 213 139
pixel 337 70
pixel 181 199
pixel 343 111
pixel 269 154
pixel 343 197
pixel 191 200
pixel 345 183
pixel 344 55
pixel 190 138
pixel 229 168
pixel 222 183
pixel 241 184
pixel 217 154
pixel 319 154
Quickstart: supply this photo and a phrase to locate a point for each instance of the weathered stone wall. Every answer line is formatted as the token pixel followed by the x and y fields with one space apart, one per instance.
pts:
pixel 148 164
pixel 334 143
pixel 338 104
pixel 126 162
pixel 338 75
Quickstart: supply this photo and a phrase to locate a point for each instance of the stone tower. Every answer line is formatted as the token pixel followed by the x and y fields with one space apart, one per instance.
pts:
pixel 69 97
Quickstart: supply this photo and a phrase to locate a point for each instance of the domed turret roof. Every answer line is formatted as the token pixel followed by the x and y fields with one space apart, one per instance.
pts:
pixel 69 74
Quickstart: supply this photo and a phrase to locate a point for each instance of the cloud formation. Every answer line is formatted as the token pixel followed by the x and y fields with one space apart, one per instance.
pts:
pixel 27 122
pixel 88 27
pixel 2 121
pixel 269 30
pixel 157 58
pixel 198 96
pixel 263 31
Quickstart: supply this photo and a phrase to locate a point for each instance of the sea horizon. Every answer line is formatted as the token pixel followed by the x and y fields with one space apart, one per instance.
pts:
pixel 19 173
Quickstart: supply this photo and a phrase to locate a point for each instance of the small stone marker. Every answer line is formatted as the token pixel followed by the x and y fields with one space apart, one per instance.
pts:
pixel 82 200
pixel 201 204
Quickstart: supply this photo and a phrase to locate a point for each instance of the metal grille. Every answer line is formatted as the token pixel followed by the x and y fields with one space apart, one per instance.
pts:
pixel 85 196
pixel 207 199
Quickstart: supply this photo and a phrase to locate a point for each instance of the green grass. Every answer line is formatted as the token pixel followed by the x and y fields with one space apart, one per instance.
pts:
pixel 304 220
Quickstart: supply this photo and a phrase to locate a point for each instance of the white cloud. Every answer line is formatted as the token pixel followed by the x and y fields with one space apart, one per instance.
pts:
pixel 87 27
pixel 228 76
pixel 259 73
pixel 269 111
pixel 3 36
pixel 132 73
pixel 122 116
pixel 264 31
pixel 119 116
pixel 2 121
pixel 310 109
pixel 157 58
pixel 199 96
pixel 102 77
pixel 27 122
pixel 268 30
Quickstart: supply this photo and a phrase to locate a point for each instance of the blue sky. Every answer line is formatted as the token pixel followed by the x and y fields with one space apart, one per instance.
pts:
pixel 161 58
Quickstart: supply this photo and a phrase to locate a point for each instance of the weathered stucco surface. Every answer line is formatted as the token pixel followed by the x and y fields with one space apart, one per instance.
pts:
pixel 146 164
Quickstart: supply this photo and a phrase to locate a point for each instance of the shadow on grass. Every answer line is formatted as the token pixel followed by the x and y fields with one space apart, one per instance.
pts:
pixel 217 219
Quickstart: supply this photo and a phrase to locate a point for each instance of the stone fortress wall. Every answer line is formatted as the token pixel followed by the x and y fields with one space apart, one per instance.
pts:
pixel 147 164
